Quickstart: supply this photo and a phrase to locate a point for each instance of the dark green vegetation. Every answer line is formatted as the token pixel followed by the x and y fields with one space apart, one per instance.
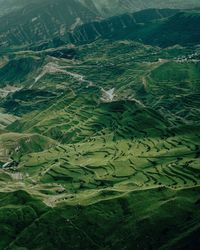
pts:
pixel 156 27
pixel 32 21
pixel 99 132
pixel 121 223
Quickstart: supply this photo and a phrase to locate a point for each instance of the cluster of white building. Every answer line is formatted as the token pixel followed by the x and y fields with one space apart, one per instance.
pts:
pixel 195 57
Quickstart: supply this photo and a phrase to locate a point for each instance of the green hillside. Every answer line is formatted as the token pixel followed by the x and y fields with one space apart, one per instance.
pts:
pixel 99 125
pixel 161 28
pixel 29 22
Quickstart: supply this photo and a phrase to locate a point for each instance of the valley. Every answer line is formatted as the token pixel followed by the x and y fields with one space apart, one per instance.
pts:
pixel 99 129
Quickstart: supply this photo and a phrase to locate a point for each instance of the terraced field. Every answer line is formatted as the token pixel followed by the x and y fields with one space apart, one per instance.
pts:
pixel 100 147
pixel 105 147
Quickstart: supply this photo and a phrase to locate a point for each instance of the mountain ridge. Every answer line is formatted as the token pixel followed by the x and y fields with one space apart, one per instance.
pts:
pixel 34 21
pixel 99 125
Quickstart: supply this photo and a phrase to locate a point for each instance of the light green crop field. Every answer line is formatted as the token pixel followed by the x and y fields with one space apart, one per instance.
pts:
pixel 100 147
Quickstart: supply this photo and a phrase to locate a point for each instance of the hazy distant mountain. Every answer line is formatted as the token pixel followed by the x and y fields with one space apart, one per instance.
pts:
pixel 41 20
pixel 105 7
pixel 8 6
pixel 28 21
pixel 113 7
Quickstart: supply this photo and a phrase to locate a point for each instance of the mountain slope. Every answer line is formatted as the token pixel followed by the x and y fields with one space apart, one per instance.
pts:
pixel 119 169
pixel 116 7
pixel 156 27
pixel 39 21
pixel 27 22
pixel 104 8
pixel 99 125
